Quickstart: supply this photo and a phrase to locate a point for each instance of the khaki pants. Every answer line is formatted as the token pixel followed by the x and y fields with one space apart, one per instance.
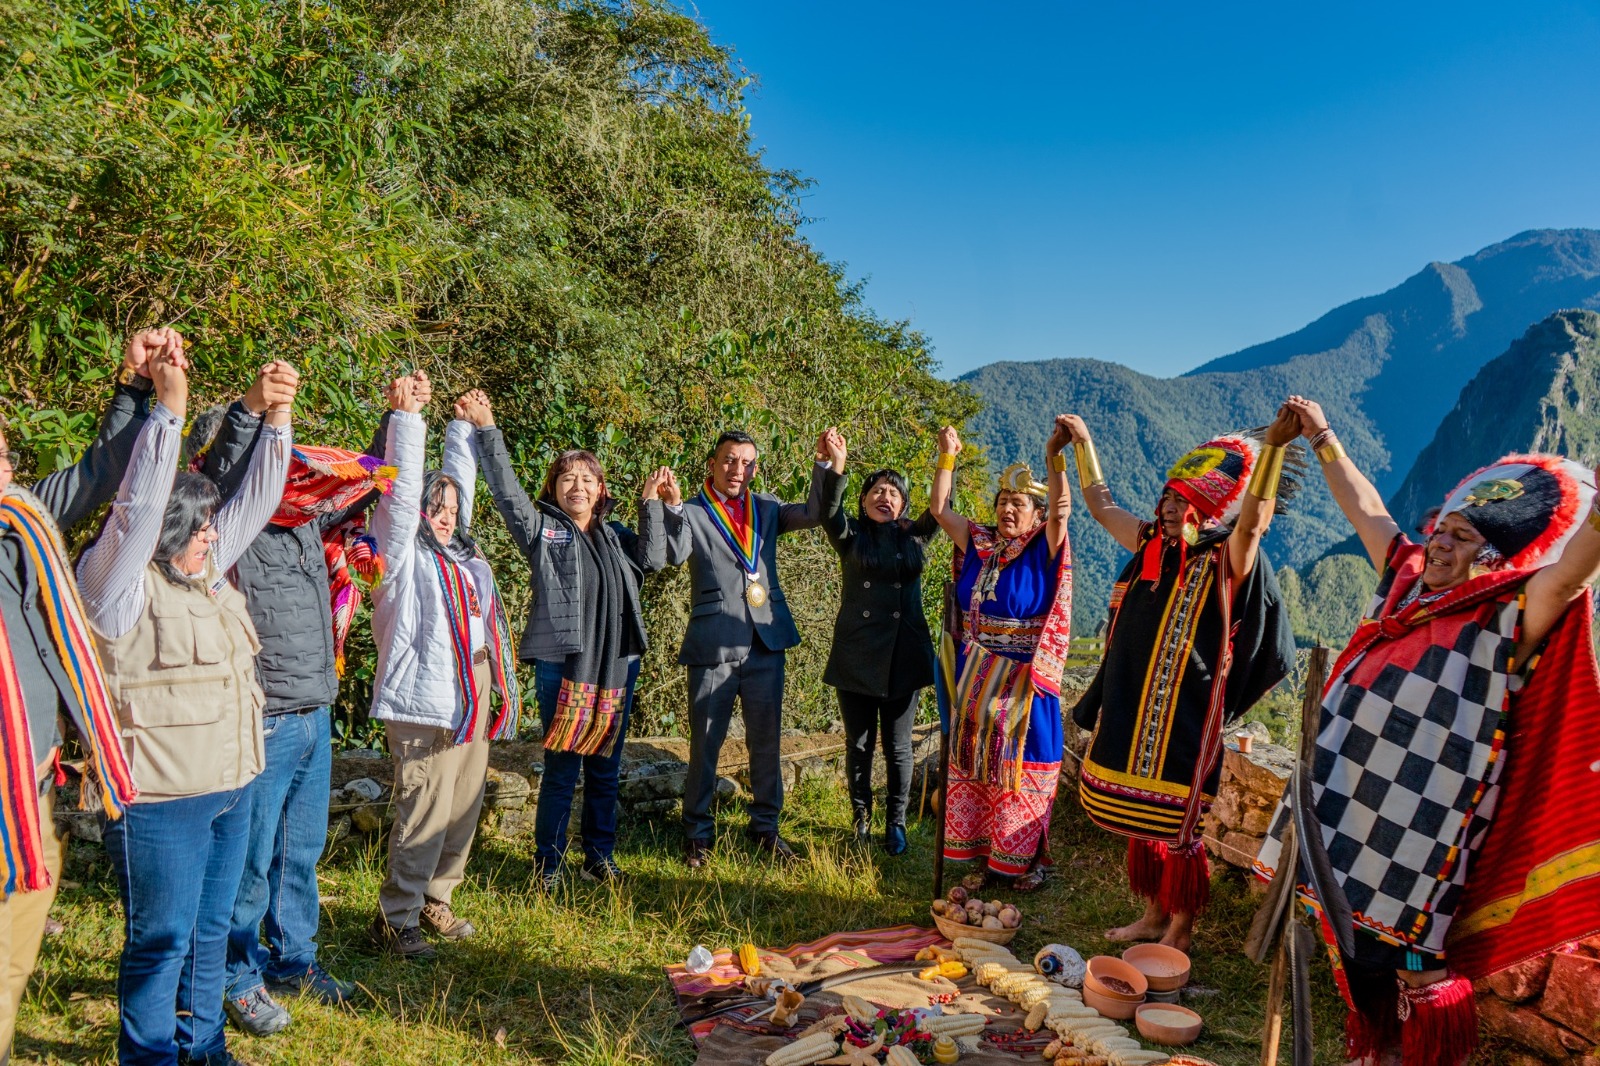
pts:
pixel 438 792
pixel 22 916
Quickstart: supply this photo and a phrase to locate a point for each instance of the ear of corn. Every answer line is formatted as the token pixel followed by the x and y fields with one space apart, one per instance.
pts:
pixel 749 961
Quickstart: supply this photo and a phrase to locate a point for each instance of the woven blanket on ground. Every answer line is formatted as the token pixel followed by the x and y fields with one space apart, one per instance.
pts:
pixel 734 1040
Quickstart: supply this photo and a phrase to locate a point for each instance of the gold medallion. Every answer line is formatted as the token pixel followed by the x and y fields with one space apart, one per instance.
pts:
pixel 755 594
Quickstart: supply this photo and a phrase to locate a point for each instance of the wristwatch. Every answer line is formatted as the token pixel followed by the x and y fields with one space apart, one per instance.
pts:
pixel 133 379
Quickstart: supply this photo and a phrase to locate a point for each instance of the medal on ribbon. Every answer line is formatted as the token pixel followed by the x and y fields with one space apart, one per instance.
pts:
pixel 745 544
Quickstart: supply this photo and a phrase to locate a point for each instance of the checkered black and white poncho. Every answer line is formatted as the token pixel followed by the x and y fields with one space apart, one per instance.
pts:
pixel 1410 753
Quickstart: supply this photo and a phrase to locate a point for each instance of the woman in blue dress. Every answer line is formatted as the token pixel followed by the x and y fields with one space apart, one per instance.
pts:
pixel 1014 596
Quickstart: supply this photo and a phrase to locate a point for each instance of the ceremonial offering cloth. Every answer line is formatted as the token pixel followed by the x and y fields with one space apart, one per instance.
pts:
pixel 1186 653
pixel 1423 718
pixel 734 1040
pixel 326 481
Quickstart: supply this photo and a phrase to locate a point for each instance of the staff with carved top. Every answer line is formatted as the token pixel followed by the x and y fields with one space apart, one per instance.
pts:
pixel 739 628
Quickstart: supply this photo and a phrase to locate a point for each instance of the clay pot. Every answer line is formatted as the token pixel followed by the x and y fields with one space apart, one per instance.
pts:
pixel 1104 966
pixel 1167 969
pixel 1157 1023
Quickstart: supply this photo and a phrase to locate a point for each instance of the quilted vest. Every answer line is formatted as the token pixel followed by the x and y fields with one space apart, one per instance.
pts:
pixel 184 684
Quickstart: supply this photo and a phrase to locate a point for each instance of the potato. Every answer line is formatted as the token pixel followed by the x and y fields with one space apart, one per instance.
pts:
pixel 956 915
pixel 991 922
pixel 1010 919
pixel 940 906
pixel 957 895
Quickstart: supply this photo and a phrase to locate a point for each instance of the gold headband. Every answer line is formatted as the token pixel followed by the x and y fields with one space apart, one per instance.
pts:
pixel 1018 478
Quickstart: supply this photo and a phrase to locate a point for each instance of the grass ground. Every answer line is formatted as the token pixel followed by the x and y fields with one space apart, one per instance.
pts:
pixel 576 978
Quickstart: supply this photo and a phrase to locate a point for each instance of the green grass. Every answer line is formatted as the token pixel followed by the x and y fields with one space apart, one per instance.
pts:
pixel 577 978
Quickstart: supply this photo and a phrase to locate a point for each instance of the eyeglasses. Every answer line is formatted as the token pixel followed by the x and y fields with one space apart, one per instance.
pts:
pixel 10 460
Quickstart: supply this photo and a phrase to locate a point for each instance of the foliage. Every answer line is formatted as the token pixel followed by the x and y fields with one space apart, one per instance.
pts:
pixel 574 977
pixel 557 201
pixel 1329 599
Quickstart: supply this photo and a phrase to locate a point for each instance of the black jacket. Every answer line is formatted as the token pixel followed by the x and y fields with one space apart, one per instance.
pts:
pixel 284 578
pixel 881 644
pixel 549 541
pixel 70 495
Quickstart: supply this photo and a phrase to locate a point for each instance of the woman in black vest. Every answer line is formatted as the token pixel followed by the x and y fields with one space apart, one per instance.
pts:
pixel 882 655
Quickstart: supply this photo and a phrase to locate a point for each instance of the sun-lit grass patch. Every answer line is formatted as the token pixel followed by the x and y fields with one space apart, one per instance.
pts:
pixel 575 977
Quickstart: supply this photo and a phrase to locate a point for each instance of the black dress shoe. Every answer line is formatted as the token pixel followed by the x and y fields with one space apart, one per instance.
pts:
pixel 863 828
pixel 696 852
pixel 894 839
pixel 776 846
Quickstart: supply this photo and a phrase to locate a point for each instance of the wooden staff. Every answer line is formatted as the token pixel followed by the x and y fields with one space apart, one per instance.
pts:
pixel 1281 903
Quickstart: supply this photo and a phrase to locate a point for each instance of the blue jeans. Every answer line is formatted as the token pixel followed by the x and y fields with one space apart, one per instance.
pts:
pixel 288 829
pixel 560 780
pixel 178 864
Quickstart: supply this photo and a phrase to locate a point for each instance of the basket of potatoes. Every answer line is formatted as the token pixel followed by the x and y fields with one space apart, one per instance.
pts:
pixel 960 914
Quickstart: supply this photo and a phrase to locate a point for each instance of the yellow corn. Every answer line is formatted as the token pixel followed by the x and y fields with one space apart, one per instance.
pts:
pixel 749 961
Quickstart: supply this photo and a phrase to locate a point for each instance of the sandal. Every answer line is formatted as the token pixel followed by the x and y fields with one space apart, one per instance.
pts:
pixel 1031 881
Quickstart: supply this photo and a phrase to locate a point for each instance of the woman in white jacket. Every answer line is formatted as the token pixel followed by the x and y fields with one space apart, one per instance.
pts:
pixel 443 644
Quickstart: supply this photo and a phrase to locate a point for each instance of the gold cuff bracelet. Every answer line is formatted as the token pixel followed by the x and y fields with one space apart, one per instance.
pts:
pixel 1330 452
pixel 1264 475
pixel 1089 473
pixel 1057 463
pixel 947 461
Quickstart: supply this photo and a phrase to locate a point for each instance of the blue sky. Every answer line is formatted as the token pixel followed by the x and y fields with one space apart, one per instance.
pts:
pixel 1162 183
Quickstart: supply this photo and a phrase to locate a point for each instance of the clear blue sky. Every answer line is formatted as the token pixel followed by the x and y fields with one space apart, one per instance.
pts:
pixel 1160 183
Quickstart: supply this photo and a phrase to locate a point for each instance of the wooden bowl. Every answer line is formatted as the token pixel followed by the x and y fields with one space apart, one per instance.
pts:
pixel 1158 1023
pixel 975 932
pixel 1116 1009
pixel 1167 969
pixel 1103 966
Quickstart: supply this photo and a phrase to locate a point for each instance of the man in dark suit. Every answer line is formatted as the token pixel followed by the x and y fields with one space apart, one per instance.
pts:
pixel 739 628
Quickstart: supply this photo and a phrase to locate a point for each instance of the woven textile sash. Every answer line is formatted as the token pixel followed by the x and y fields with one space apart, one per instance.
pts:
pixel 586 719
pixel 91 712
pixel 743 540
pixel 993 699
pixel 457 592
pixel 346 548
pixel 503 663
pixel 1050 657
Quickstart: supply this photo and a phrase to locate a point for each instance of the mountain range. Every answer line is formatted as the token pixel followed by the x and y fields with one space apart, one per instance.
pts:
pixel 1389 371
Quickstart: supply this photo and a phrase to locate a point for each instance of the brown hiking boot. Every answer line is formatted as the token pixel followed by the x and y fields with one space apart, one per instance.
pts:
pixel 407 943
pixel 438 916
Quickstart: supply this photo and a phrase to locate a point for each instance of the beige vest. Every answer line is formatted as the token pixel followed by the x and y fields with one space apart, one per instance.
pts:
pixel 184 684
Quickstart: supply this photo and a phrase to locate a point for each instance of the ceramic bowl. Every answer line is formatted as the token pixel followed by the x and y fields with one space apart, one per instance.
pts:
pixel 1159 1023
pixel 1116 1009
pixel 1104 966
pixel 1167 969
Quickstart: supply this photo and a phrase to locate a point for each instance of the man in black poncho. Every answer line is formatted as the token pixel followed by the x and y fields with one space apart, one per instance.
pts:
pixel 1198 632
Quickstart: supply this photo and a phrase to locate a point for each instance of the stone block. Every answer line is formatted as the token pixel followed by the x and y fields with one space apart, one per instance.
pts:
pixel 1522 982
pixel 362 788
pixel 504 790
pixel 1264 772
pixel 811 768
pixel 515 821
pixel 1238 849
pixel 338 829
pixel 1229 809
pixel 726 791
pixel 371 818
pixel 1257 820
pixel 1525 1027
pixel 1572 996
pixel 86 826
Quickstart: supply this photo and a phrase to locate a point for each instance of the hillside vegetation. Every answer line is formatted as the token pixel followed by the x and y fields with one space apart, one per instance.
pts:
pixel 557 201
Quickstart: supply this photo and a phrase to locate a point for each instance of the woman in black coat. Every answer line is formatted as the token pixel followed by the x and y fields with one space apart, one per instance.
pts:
pixel 882 655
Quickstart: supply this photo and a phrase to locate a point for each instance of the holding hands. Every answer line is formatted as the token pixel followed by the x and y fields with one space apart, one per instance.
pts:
pixel 473 406
pixel 831 448
pixel 410 393
pixel 168 369
pixel 1287 426
pixel 949 441
pixel 662 484
pixel 273 390
pixel 1309 413
pixel 143 346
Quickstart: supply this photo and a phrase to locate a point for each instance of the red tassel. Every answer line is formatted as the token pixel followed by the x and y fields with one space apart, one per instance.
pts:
pixel 1146 859
pixel 1186 879
pixel 1438 1023
pixel 1150 559
pixel 1372 1027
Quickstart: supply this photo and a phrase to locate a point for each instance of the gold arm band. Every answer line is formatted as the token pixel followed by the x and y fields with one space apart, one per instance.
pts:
pixel 1330 452
pixel 947 461
pixel 1057 463
pixel 1264 476
pixel 1594 520
pixel 1089 472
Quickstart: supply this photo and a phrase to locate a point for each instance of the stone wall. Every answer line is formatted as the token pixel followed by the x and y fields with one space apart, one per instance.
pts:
pixel 1545 1010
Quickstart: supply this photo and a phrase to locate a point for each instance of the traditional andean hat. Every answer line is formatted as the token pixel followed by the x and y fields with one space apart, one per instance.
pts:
pixel 1526 506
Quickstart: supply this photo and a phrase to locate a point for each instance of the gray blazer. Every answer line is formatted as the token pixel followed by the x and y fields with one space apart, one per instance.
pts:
pixel 722 624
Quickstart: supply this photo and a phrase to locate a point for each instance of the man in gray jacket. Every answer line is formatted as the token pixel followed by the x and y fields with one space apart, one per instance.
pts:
pixel 739 628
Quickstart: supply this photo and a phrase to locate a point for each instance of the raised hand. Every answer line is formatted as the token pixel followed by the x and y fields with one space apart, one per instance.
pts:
pixel 141 348
pixel 403 396
pixel 1312 420
pixel 1077 428
pixel 1060 436
pixel 274 387
pixel 421 388
pixel 833 447
pixel 169 372
pixel 653 483
pixel 671 493
pixel 473 406
pixel 1285 428
pixel 949 441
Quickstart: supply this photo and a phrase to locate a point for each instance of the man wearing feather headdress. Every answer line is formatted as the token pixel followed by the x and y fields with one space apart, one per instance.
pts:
pixel 1198 632
pixel 1441 836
